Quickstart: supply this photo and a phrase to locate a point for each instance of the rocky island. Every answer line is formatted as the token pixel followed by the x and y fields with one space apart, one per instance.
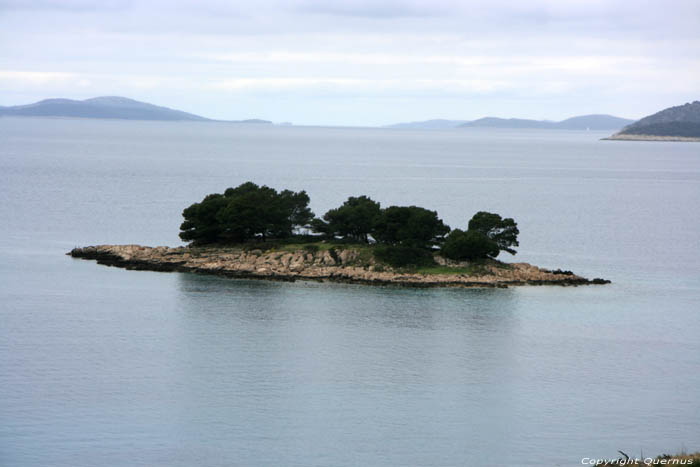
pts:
pixel 257 232
pixel 325 263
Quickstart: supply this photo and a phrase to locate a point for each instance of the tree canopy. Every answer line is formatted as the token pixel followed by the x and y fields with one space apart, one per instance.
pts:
pixel 468 246
pixel 488 234
pixel 355 219
pixel 504 232
pixel 410 226
pixel 361 217
pixel 245 212
pixel 405 235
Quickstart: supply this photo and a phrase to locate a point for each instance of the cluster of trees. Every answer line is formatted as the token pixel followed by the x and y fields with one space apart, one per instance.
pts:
pixel 246 212
pixel 404 234
pixel 487 235
pixel 360 218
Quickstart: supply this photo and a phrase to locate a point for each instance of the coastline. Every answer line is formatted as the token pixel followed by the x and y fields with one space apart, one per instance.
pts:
pixel 336 264
pixel 630 137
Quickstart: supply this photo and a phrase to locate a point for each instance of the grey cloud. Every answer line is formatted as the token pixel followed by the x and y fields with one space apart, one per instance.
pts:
pixel 373 9
pixel 492 19
pixel 291 55
pixel 65 5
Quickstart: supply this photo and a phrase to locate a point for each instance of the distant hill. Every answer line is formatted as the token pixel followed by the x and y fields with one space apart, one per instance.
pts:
pixel 250 120
pixel 495 122
pixel 594 122
pixel 682 121
pixel 584 122
pixel 104 107
pixel 437 124
pixel 98 107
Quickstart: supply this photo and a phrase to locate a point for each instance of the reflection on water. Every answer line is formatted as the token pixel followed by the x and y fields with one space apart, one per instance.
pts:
pixel 306 362
pixel 399 307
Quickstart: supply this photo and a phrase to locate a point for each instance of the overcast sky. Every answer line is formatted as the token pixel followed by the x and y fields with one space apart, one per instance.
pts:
pixel 365 62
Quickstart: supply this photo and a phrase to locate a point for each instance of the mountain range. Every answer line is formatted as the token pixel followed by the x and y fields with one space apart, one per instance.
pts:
pixel 681 122
pixel 104 107
pixel 583 122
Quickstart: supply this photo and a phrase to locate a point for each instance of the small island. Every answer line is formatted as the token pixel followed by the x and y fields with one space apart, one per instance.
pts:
pixel 256 232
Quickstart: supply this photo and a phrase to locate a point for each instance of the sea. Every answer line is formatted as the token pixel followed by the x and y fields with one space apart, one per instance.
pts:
pixel 106 367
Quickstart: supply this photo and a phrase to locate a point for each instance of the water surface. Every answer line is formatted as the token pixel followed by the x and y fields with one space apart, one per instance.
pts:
pixel 102 366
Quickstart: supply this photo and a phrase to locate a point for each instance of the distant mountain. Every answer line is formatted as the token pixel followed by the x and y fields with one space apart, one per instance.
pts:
pixel 494 122
pixel 437 124
pixel 104 107
pixel 682 121
pixel 98 107
pixel 251 120
pixel 583 122
pixel 594 122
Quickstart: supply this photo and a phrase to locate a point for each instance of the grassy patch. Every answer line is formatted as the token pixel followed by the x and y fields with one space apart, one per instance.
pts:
pixel 364 259
pixel 476 268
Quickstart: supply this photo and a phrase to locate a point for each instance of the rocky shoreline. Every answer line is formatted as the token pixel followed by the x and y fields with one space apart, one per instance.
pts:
pixel 336 264
pixel 632 137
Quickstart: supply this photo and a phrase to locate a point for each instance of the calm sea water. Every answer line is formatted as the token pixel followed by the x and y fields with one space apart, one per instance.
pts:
pixel 107 367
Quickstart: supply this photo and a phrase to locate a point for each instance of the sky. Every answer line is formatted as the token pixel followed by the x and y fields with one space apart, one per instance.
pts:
pixel 357 63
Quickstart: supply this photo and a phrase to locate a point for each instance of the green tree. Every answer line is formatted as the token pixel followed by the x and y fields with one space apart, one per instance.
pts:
pixel 355 219
pixel 410 226
pixel 250 211
pixel 245 212
pixel 296 205
pixel 201 224
pixel 320 226
pixel 504 232
pixel 468 246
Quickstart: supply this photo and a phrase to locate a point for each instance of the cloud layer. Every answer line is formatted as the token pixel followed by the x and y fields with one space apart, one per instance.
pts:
pixel 356 62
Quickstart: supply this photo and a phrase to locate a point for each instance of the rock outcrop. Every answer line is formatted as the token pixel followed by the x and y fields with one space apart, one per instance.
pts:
pixel 336 264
